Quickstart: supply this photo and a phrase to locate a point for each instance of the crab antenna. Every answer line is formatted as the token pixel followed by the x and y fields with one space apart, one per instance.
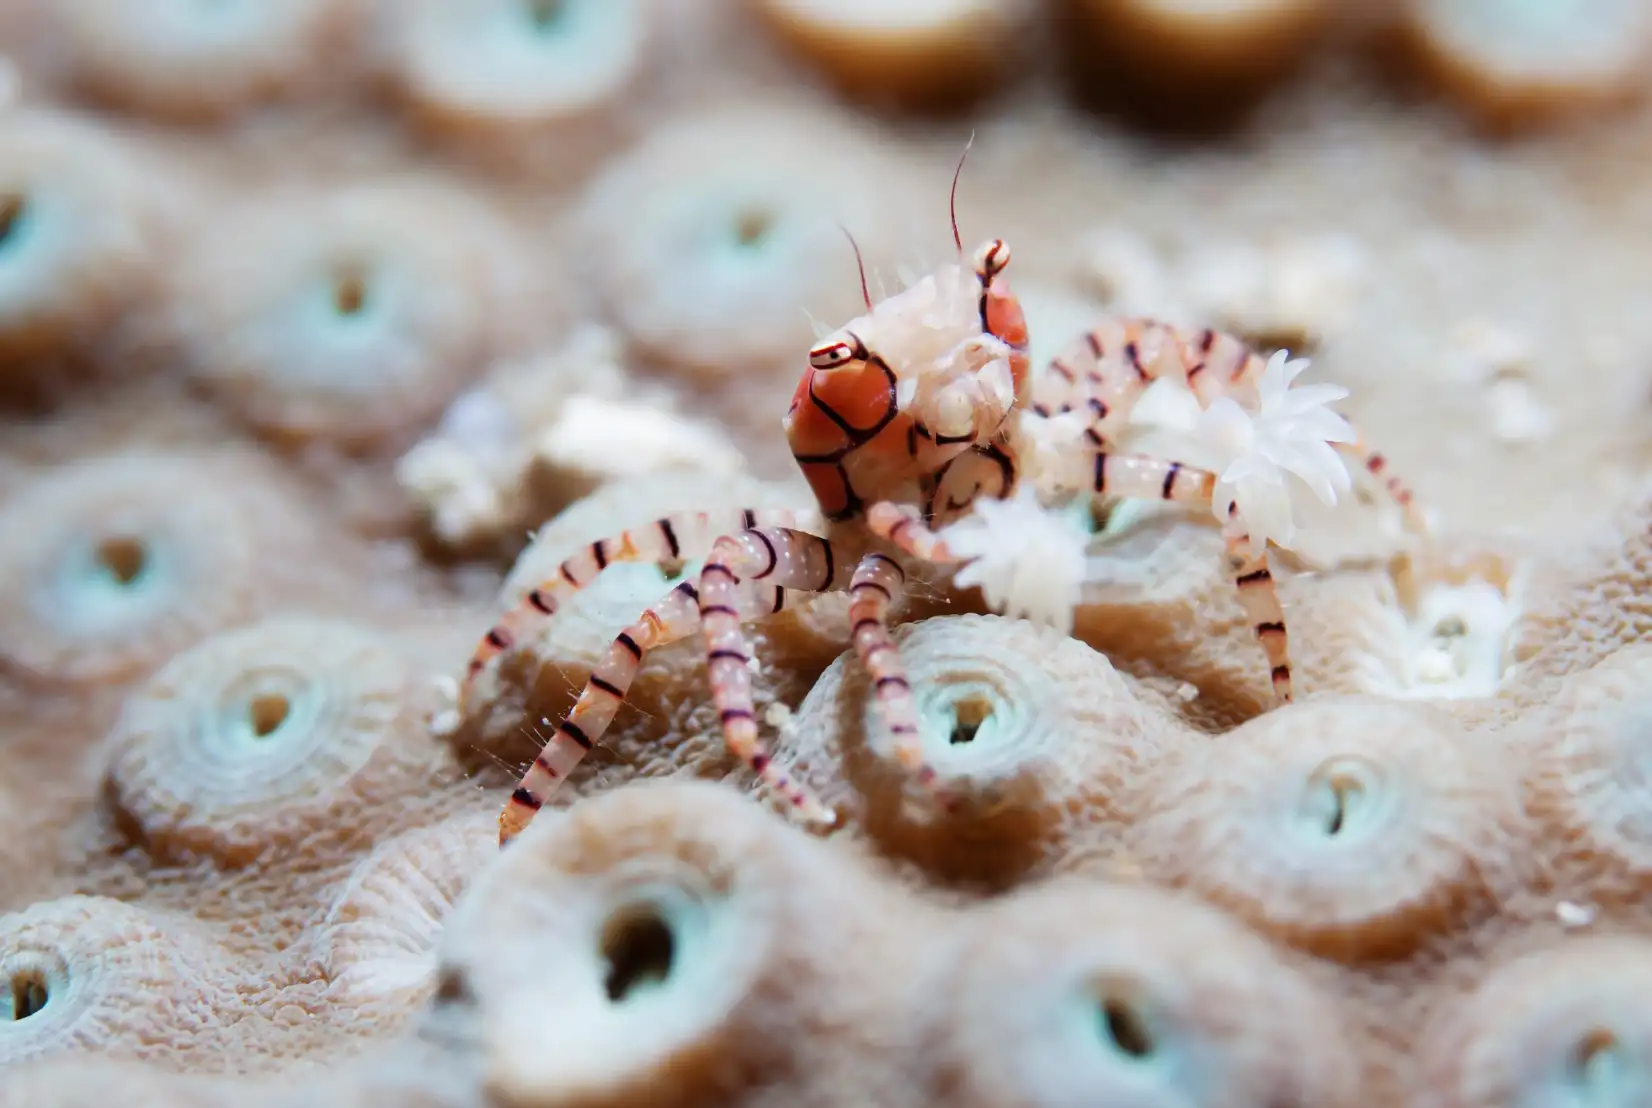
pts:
pixel 952 198
pixel 860 264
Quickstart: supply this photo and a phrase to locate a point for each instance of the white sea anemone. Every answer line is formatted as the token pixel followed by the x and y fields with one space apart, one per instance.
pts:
pixel 1288 434
pixel 1027 560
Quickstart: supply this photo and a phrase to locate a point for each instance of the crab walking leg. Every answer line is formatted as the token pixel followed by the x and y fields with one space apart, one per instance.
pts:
pixel 876 586
pixel 902 526
pixel 1109 368
pixel 1107 371
pixel 777 556
pixel 1142 478
pixel 1259 597
pixel 671 538
pixel 1377 466
pixel 1136 476
pixel 675 617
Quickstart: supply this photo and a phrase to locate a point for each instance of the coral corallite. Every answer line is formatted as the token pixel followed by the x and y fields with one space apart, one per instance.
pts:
pixel 931 53
pixel 350 317
pixel 1567 1025
pixel 80 217
pixel 1353 829
pixel 110 564
pixel 186 59
pixel 1512 65
pixel 718 275
pixel 268 734
pixel 545 86
pixel 1591 785
pixel 1045 744
pixel 91 975
pixel 1131 995
pixel 677 959
pixel 378 942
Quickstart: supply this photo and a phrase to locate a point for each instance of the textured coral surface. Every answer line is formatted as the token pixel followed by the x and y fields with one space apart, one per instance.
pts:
pixel 330 327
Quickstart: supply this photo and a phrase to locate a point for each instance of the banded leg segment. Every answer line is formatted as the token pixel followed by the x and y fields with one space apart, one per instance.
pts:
pixel 1136 476
pixel 1259 597
pixel 770 556
pixel 1107 372
pixel 903 527
pixel 1109 369
pixel 683 537
pixel 1377 466
pixel 675 617
pixel 874 589
pixel 1141 477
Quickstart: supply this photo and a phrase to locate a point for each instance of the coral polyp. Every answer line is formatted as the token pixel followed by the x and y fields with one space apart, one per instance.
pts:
pixel 366 311
pixel 192 60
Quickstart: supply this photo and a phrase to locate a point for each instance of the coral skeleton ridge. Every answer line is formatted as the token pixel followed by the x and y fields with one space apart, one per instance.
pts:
pixel 502 607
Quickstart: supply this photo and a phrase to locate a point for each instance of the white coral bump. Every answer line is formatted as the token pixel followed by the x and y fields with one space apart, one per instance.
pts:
pixel 1027 560
pixel 1287 435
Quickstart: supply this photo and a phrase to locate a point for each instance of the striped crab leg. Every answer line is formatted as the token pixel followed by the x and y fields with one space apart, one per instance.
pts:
pixel 876 586
pixel 1107 371
pixel 1376 465
pixel 1259 597
pixel 675 538
pixel 1141 477
pixel 770 556
pixel 674 617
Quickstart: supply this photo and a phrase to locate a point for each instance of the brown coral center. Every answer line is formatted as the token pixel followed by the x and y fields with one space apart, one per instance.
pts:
pixel 267 713
pixel 11 214
pixel 124 558
pixel 1594 1052
pixel 638 948
pixel 1338 789
pixel 752 227
pixel 28 994
pixel 968 715
pixel 1124 1027
pixel 544 15
pixel 350 294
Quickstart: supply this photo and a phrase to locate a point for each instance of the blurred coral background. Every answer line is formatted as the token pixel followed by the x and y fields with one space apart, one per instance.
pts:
pixel 330 327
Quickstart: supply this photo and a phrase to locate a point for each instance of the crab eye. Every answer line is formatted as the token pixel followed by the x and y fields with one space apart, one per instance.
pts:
pixel 992 258
pixel 831 356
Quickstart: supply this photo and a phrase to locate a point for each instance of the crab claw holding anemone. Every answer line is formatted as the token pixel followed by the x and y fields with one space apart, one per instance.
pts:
pixel 1289 434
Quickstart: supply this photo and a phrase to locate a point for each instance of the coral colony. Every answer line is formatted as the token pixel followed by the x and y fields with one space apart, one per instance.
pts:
pixel 504 603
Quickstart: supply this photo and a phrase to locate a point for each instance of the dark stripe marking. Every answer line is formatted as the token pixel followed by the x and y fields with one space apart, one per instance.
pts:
pixel 768 545
pixel 1170 478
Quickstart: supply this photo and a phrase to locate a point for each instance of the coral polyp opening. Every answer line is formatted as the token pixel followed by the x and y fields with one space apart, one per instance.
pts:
pixel 1124 1028
pixel 968 715
pixel 639 949
pixel 1335 792
pixel 752 227
pixel 29 995
pixel 13 206
pixel 1596 1055
pixel 267 713
pixel 350 294
pixel 546 16
pixel 124 558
